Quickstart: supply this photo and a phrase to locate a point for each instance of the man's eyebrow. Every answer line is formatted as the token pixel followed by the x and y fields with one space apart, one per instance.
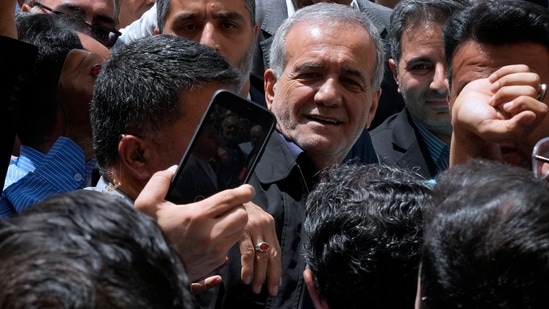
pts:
pixel 353 72
pixel 184 16
pixel 229 15
pixel 418 59
pixel 307 66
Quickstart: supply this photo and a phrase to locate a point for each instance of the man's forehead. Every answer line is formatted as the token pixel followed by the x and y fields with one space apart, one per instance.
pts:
pixel 107 9
pixel 78 3
pixel 223 8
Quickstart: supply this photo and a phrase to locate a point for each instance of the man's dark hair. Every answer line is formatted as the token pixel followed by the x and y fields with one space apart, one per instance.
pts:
pixel 54 37
pixel 486 239
pixel 409 13
pixel 139 88
pixel 363 230
pixel 85 249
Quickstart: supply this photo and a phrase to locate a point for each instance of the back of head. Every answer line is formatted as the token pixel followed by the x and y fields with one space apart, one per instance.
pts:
pixel 85 249
pixel 486 241
pixel 328 15
pixel 415 14
pixel 497 22
pixel 54 38
pixel 364 228
pixel 140 86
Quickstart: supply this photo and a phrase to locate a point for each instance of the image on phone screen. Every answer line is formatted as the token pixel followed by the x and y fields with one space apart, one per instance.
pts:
pixel 224 149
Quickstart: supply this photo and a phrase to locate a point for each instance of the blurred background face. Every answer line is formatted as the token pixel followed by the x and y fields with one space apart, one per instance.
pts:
pixel 98 18
pixel 131 10
pixel 230 127
pixel 421 76
pixel 256 135
pixel 93 12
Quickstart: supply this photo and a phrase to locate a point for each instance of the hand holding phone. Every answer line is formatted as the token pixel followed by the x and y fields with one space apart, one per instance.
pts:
pixel 224 150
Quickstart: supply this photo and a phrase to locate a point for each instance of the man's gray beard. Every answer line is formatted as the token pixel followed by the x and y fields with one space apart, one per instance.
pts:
pixel 244 66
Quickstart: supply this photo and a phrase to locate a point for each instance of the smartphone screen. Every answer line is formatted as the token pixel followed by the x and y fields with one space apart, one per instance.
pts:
pixel 224 149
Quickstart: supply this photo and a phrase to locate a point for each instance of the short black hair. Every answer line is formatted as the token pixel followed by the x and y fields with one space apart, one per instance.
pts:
pixel 86 249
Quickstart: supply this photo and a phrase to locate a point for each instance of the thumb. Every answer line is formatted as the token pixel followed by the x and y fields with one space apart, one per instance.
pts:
pixel 154 193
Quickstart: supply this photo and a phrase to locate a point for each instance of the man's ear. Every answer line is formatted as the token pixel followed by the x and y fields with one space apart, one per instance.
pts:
pixel 318 301
pixel 255 31
pixel 394 70
pixel 269 84
pixel 133 152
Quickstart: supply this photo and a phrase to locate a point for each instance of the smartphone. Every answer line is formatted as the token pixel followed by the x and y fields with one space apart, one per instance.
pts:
pixel 224 150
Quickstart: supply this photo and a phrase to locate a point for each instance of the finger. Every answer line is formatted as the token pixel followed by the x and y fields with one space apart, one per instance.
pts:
pixel 506 70
pixel 274 268
pixel 154 191
pixel 511 93
pixel 203 285
pixel 525 103
pixel 226 200
pixel 261 262
pixel 247 256
pixel 230 227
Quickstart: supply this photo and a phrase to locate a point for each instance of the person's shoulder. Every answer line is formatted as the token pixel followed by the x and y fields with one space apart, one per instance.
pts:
pixel 378 13
pixel 374 7
pixel 387 126
pixel 272 6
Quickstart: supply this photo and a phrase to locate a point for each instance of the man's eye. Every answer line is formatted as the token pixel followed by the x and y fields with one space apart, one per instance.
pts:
pixel 229 25
pixel 189 27
pixel 420 68
pixel 352 84
pixel 308 75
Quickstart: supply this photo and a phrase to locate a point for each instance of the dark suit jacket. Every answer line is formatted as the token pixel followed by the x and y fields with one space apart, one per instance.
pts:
pixel 398 143
pixel 257 90
pixel 281 184
pixel 20 59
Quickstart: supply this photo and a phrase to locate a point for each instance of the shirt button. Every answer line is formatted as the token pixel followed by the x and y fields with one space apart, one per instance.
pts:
pixel 78 177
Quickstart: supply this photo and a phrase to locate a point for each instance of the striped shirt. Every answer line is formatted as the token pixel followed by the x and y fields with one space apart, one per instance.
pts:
pixel 33 176
pixel 439 151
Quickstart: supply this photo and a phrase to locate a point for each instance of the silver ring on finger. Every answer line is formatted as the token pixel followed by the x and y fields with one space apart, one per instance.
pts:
pixel 262 247
pixel 542 92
